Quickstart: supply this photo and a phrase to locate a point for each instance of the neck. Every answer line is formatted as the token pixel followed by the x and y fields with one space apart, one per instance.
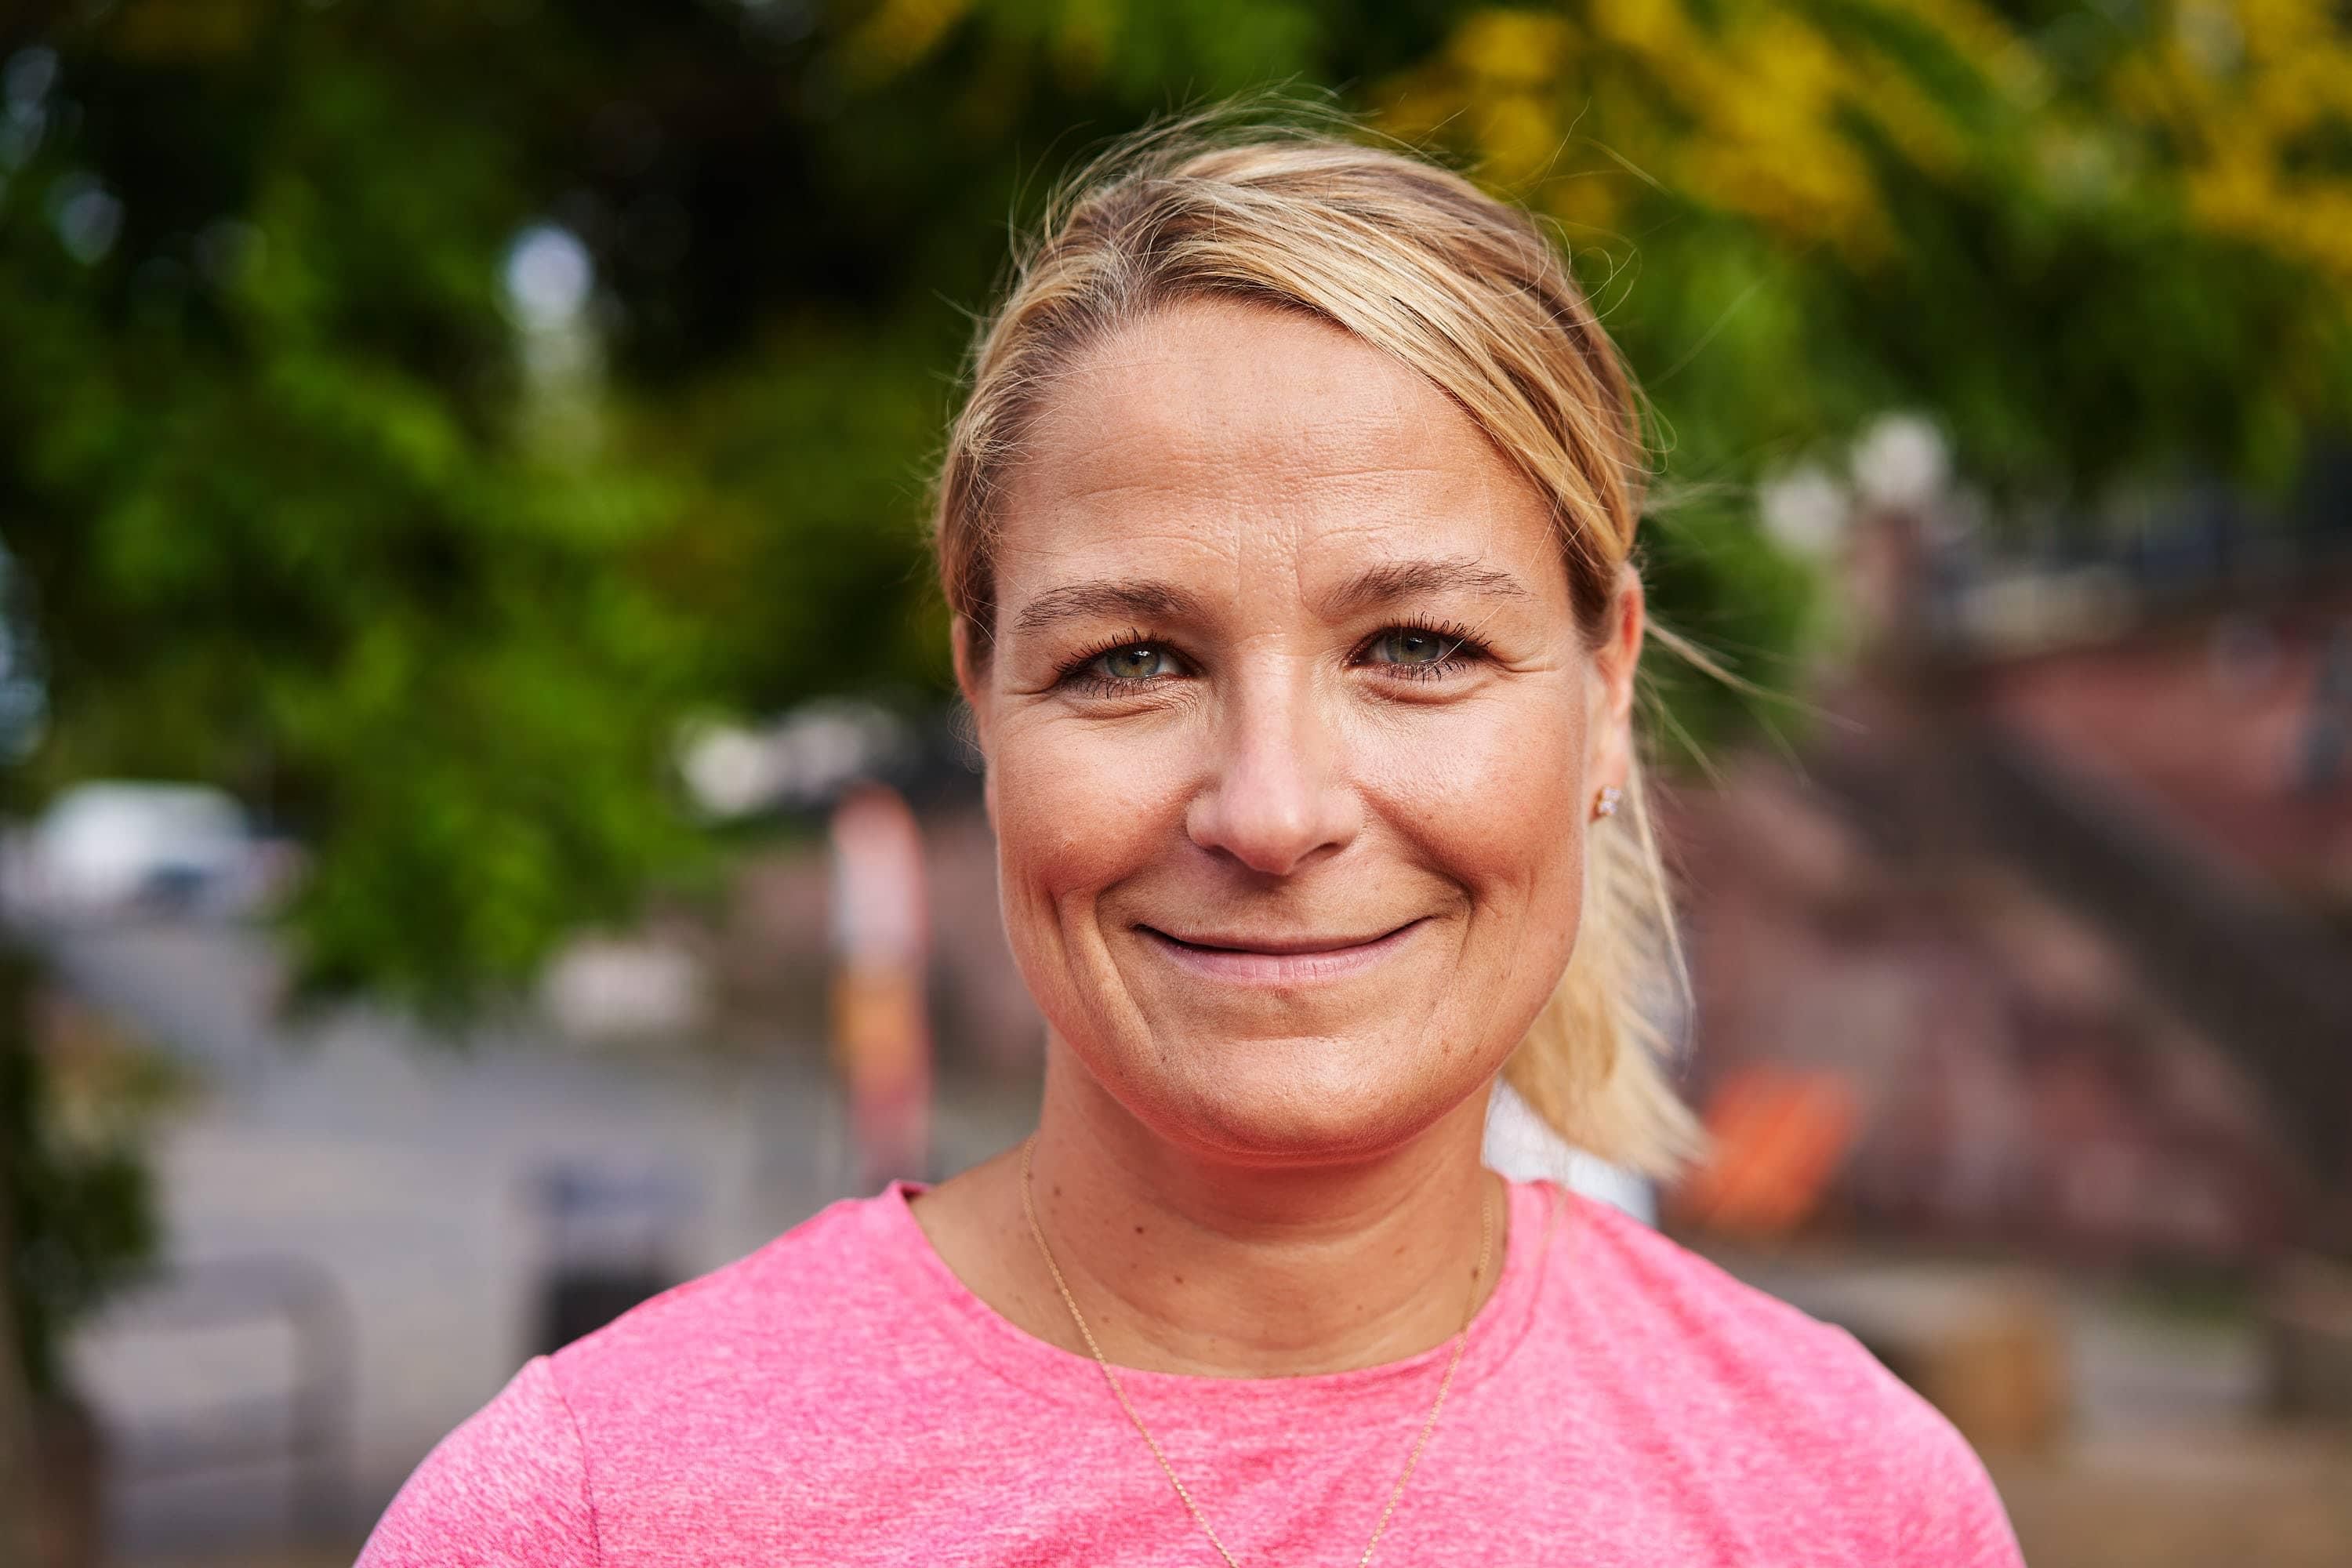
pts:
pixel 1194 1263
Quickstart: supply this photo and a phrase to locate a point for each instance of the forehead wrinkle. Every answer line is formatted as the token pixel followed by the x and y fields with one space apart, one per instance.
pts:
pixel 1161 380
pixel 1170 454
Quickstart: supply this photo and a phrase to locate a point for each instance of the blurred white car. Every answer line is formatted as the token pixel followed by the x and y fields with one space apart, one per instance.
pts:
pixel 120 847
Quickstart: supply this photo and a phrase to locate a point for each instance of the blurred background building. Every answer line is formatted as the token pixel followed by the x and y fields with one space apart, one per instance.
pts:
pixel 461 541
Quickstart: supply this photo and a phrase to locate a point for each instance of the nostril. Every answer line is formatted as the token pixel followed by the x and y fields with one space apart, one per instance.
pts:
pixel 1265 838
pixel 1277 795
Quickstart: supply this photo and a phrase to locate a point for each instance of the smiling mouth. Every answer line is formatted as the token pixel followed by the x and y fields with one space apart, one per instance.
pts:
pixel 1280 961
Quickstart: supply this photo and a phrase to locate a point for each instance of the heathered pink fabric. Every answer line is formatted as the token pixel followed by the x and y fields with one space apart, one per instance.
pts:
pixel 839 1398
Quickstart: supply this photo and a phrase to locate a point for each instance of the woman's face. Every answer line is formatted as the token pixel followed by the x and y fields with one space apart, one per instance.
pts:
pixel 1291 732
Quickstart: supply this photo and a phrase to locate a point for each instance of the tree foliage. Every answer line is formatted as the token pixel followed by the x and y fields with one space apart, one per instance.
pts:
pixel 2094 241
pixel 81 1213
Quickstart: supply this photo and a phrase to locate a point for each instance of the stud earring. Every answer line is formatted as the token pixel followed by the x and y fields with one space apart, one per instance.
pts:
pixel 1606 805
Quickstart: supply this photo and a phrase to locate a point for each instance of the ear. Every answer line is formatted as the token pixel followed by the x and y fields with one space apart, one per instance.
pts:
pixel 971 680
pixel 1609 745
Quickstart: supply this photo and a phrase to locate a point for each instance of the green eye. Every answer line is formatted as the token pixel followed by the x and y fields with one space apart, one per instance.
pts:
pixel 1137 661
pixel 1407 645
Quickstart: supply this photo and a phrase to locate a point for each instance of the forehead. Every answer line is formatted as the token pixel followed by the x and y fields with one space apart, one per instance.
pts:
pixel 1268 443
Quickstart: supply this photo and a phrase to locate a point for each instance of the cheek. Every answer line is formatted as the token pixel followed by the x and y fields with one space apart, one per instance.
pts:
pixel 1078 807
pixel 1488 799
pixel 1490 795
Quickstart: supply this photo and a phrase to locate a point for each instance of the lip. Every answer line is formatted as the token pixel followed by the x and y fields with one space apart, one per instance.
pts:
pixel 1276 960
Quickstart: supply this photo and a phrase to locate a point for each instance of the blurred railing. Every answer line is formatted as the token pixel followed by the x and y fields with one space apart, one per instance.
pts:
pixel 2271 986
pixel 306 1425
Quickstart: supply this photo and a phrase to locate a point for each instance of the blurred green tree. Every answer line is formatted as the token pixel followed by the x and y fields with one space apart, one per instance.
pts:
pixel 2094 241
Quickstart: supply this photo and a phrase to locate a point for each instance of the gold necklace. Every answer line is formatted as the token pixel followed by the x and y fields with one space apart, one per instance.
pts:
pixel 1119 1390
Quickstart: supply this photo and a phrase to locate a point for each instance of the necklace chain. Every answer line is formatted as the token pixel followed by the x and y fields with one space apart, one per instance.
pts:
pixel 1119 1390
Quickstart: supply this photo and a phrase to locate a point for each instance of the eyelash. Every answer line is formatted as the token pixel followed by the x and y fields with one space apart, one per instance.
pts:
pixel 1462 650
pixel 1079 672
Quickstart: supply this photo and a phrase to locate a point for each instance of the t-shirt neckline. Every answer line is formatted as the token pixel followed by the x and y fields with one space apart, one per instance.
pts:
pixel 1539 1213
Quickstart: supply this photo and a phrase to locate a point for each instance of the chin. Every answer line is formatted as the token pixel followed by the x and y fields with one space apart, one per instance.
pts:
pixel 1284 1101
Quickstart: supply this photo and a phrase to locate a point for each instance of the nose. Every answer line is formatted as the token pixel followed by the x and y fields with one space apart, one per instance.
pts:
pixel 1277 792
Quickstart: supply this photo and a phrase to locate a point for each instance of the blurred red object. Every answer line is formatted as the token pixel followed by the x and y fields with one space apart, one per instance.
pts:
pixel 1777 1137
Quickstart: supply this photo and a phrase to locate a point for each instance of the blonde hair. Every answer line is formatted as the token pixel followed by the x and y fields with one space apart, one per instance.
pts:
pixel 1421 264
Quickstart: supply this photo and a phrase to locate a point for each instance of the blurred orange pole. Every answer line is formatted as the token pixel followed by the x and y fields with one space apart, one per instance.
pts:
pixel 881 1031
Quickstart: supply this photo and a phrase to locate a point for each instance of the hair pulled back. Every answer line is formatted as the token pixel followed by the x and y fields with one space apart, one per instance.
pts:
pixel 1422 265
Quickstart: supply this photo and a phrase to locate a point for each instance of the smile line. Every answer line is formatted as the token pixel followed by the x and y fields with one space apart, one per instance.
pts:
pixel 1292 962
pixel 1306 948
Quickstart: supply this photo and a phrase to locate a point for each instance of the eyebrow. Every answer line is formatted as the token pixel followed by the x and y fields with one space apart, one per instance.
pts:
pixel 1143 599
pixel 1387 583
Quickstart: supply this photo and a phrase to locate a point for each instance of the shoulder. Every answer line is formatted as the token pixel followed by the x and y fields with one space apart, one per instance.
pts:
pixel 778 1339
pixel 1786 1390
pixel 1660 1293
pixel 826 1271
pixel 1694 1320
pixel 507 1489
pixel 516 1485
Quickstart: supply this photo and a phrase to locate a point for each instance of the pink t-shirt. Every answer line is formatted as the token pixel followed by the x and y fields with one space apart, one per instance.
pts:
pixel 839 1398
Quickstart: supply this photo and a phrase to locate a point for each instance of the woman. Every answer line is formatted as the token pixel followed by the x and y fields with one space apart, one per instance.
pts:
pixel 1289 530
